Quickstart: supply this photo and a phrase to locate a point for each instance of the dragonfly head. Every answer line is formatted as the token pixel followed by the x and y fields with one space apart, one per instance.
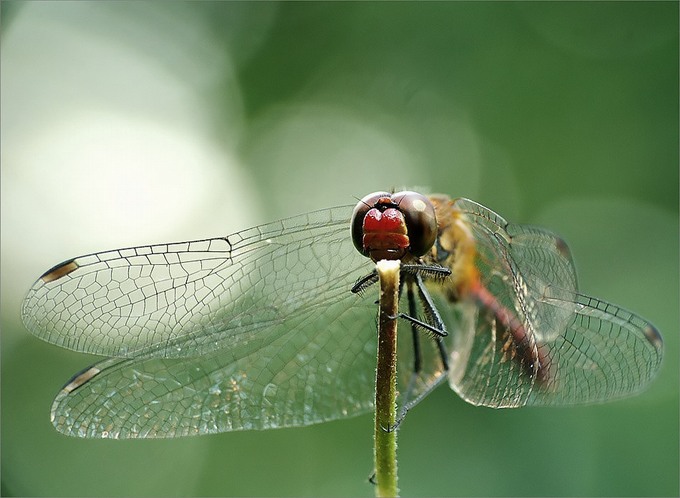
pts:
pixel 394 226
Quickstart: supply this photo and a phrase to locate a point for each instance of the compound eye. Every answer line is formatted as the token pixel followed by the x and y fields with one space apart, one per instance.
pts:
pixel 357 224
pixel 421 221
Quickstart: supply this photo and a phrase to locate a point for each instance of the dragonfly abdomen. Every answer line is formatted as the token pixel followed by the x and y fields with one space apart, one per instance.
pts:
pixel 526 349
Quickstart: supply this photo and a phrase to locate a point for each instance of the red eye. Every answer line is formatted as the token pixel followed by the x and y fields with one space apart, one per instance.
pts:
pixel 391 226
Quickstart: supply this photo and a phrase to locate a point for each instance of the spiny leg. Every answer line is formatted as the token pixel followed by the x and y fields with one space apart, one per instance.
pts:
pixel 434 323
pixel 431 271
pixel 417 356
pixel 364 282
pixel 438 329
pixel 434 316
pixel 417 361
pixel 412 275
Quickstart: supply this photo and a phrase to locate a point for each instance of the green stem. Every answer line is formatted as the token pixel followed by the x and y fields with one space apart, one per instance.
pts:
pixel 386 381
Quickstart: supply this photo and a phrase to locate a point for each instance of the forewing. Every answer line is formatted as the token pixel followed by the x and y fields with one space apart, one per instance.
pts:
pixel 189 298
pixel 521 265
pixel 591 351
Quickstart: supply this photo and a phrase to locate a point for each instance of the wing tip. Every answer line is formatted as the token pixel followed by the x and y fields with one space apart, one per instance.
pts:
pixel 653 336
pixel 62 415
pixel 59 271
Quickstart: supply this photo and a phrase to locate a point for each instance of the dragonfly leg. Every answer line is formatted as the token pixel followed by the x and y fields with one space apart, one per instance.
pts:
pixel 430 271
pixel 434 323
pixel 364 282
pixel 434 317
pixel 429 308
pixel 421 324
pixel 417 360
pixel 412 275
pixel 438 330
pixel 417 356
pixel 443 355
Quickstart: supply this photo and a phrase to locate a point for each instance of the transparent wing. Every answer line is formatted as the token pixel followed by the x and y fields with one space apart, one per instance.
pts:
pixel 290 378
pixel 251 331
pixel 317 366
pixel 604 353
pixel 592 351
pixel 185 299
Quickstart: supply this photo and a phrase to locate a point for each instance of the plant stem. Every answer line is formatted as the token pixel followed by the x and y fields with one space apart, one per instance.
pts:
pixel 386 381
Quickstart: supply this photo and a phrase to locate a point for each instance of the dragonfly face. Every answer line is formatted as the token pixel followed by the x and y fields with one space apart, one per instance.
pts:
pixel 260 329
pixel 394 226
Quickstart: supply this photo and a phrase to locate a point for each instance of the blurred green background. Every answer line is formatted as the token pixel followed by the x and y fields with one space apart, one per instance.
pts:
pixel 130 123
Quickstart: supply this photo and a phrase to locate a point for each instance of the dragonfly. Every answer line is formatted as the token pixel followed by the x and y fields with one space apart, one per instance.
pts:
pixel 275 326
